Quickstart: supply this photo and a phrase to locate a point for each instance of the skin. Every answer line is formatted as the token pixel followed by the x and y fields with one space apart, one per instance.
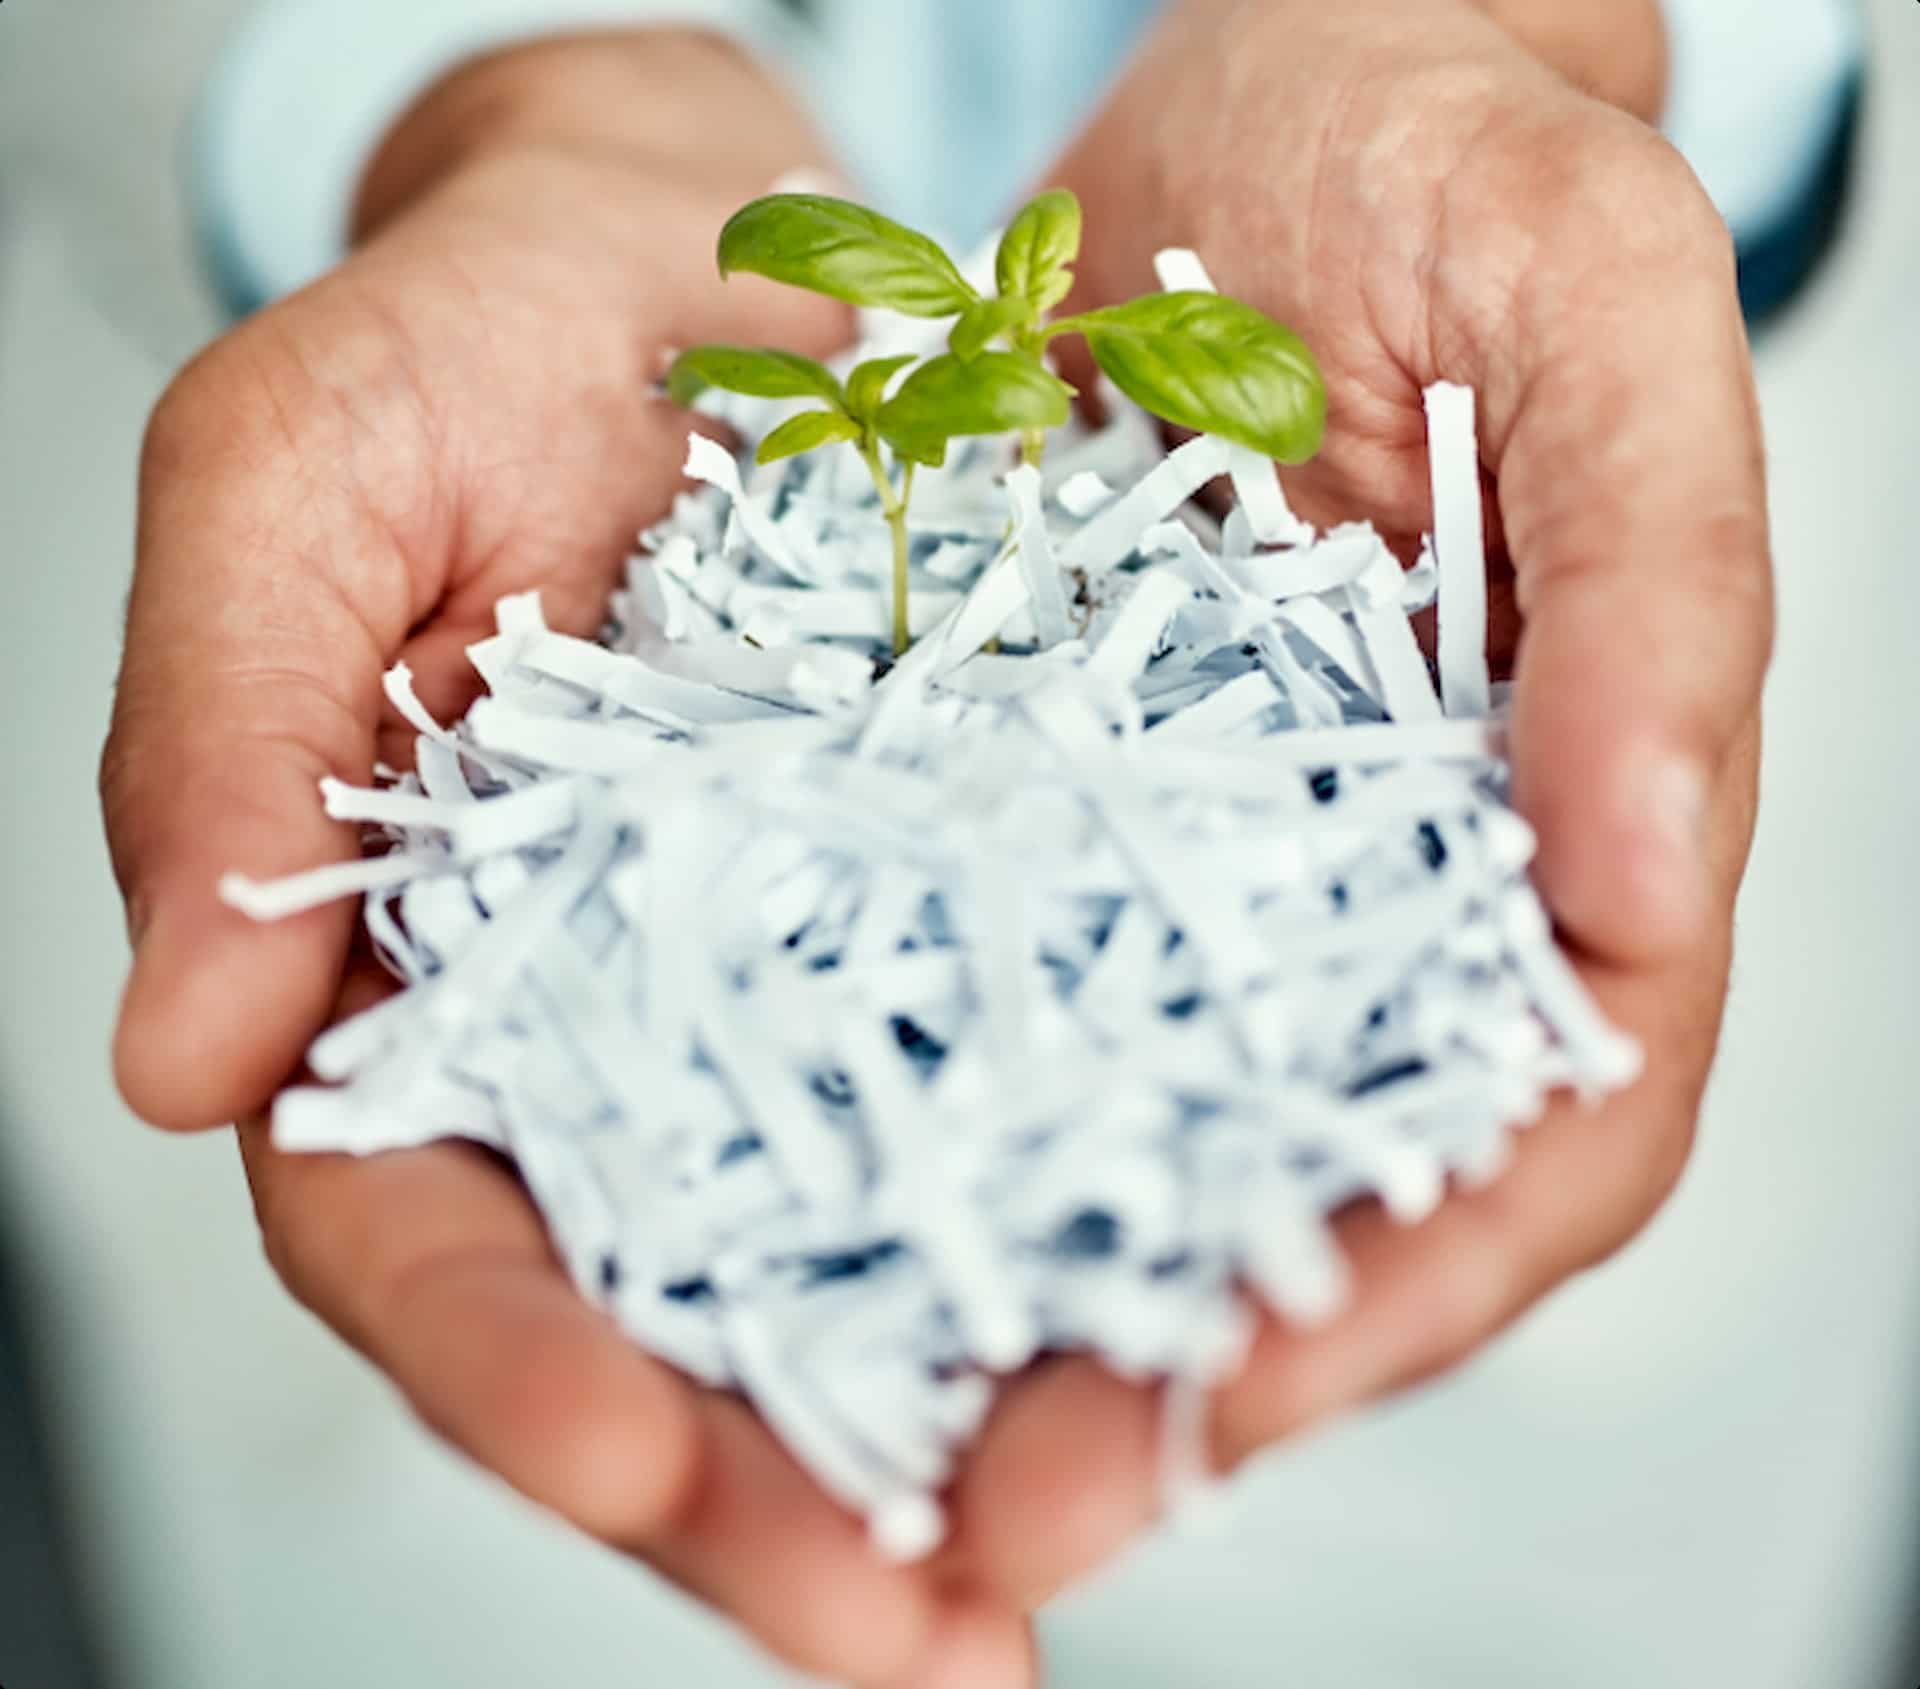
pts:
pixel 1425 189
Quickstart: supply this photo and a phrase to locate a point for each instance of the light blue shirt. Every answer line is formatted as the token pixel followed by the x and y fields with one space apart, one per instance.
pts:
pixel 941 109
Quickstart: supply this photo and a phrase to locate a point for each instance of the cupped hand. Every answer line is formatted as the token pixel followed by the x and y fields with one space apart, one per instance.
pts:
pixel 457 413
pixel 354 478
pixel 1427 195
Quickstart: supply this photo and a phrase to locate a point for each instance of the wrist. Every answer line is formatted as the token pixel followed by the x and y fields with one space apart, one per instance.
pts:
pixel 645 99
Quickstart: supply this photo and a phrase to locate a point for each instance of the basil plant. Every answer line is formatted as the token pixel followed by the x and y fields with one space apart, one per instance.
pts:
pixel 1201 361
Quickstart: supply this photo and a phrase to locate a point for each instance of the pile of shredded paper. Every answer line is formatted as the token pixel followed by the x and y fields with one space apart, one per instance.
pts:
pixel 863 1030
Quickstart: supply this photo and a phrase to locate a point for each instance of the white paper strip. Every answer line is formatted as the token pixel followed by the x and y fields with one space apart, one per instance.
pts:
pixel 1459 543
pixel 1112 536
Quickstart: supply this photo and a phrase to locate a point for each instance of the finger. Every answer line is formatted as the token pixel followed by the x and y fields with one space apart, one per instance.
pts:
pixel 761 1543
pixel 976 1643
pixel 1068 1473
pixel 1632 485
pixel 264 599
pixel 1064 1477
pixel 1580 1185
pixel 304 507
pixel 434 1265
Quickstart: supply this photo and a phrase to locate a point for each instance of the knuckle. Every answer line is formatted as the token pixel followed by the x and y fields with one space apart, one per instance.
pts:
pixel 1625 195
pixel 179 423
pixel 190 395
pixel 223 394
pixel 1585 224
pixel 1724 585
pixel 241 391
pixel 289 390
pixel 1735 566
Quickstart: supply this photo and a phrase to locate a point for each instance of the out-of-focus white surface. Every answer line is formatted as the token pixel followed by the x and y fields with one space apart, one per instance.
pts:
pixel 93 100
pixel 1697 1466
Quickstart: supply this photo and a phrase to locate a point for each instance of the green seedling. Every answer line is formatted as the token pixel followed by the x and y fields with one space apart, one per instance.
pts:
pixel 1199 360
pixel 942 399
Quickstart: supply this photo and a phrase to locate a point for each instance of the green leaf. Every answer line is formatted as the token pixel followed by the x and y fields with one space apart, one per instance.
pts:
pixel 949 396
pixel 986 322
pixel 741 369
pixel 867 385
pixel 845 251
pixel 1038 250
pixel 1056 288
pixel 927 449
pixel 1210 363
pixel 804 432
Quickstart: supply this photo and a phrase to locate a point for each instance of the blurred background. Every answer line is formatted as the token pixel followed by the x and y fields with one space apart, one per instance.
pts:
pixel 200 1490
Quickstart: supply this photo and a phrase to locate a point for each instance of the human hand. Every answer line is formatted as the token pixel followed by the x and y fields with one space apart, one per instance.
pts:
pixel 479 468
pixel 1424 194
pixel 353 478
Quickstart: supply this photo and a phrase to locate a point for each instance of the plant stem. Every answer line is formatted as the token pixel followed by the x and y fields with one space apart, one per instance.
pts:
pixel 894 507
pixel 902 543
pixel 1032 343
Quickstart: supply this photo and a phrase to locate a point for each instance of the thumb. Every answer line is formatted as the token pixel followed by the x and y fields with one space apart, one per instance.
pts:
pixel 1635 510
pixel 250 671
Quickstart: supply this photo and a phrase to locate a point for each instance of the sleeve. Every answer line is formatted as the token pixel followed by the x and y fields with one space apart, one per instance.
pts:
pixel 1760 105
pixel 1758 97
pixel 303 93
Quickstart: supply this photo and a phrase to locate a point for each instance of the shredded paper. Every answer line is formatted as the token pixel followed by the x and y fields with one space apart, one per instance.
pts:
pixel 865 1029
